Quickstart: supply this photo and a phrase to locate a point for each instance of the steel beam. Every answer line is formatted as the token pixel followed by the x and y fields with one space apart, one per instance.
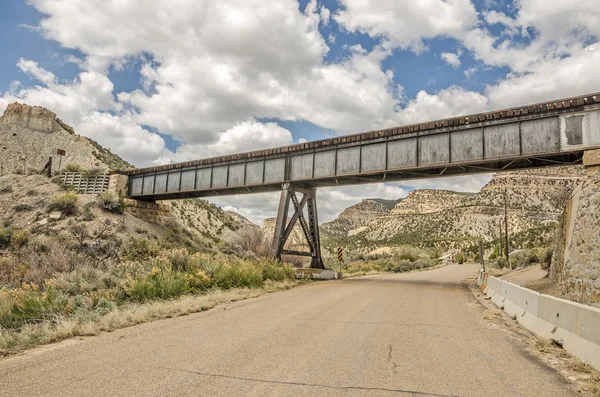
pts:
pixel 283 228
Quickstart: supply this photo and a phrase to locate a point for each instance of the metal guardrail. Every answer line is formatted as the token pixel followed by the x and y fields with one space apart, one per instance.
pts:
pixel 86 184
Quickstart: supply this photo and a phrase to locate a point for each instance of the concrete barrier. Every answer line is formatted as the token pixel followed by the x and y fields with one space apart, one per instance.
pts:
pixel 573 325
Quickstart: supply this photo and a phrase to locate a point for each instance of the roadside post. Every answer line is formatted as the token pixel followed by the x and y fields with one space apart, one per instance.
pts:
pixel 61 153
pixel 482 261
pixel 340 255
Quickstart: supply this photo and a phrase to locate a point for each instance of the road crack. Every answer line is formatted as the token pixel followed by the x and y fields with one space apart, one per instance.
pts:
pixel 315 385
pixel 389 360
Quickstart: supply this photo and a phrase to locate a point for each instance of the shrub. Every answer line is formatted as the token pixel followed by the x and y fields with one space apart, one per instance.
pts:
pixel 408 253
pixel 276 271
pixel 29 305
pixel 12 272
pixel 65 203
pixel 111 202
pixel 88 214
pixel 501 262
pixel 139 249
pixel 72 167
pixel 523 258
pixel 22 207
pixel 20 238
pixel 253 240
pixel 6 234
pixel 177 258
pixel 83 280
pixel 545 257
pixel 237 274
pixel 161 282
pixel 460 258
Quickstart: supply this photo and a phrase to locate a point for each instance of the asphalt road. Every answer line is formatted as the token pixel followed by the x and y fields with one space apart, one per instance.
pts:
pixel 419 334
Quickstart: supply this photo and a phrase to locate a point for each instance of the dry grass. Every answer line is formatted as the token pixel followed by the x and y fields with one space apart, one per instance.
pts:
pixel 594 384
pixel 492 314
pixel 584 375
pixel 128 315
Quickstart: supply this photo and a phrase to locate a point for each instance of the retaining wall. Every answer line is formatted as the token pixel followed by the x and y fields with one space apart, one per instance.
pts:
pixel 149 211
pixel 573 325
pixel 86 184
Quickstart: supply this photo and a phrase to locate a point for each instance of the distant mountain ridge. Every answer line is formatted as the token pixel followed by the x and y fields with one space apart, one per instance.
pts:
pixel 535 200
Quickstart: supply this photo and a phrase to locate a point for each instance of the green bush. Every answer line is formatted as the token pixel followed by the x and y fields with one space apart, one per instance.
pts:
pixel 275 271
pixel 20 238
pixel 139 249
pixel 161 282
pixel 237 274
pixel 112 202
pixel 460 258
pixel 65 203
pixel 6 234
pixel 29 305
pixel 408 253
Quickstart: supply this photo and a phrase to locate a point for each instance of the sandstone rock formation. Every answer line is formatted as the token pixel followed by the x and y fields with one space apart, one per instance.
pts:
pixel 29 135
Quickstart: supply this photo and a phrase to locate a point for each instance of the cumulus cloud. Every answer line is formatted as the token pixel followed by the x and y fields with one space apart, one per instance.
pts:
pixel 407 23
pixel 452 59
pixel 211 70
pixel 243 137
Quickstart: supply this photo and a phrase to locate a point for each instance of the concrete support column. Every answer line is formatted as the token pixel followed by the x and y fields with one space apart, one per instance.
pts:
pixel 149 211
pixel 118 183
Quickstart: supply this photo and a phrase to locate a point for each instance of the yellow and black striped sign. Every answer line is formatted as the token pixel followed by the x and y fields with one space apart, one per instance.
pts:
pixel 340 252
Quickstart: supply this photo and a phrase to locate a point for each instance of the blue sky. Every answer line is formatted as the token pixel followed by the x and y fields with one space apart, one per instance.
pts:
pixel 159 82
pixel 415 72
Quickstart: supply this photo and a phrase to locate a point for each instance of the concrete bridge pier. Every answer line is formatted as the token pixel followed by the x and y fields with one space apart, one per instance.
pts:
pixel 310 226
pixel 591 161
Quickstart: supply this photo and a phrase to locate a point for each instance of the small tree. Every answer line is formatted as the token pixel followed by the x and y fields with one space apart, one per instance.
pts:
pixel 110 201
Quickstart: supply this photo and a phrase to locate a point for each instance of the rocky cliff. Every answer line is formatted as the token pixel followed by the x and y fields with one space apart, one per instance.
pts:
pixel 534 199
pixel 29 135
pixel 575 265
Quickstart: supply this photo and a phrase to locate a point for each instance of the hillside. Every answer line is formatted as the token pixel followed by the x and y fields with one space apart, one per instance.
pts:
pixel 29 135
pixel 427 218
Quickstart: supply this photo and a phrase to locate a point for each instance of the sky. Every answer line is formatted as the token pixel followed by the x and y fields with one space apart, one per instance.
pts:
pixel 169 81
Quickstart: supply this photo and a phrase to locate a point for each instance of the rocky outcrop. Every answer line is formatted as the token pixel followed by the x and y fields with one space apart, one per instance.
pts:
pixel 576 262
pixel 357 216
pixel 31 117
pixel 29 135
pixel 428 201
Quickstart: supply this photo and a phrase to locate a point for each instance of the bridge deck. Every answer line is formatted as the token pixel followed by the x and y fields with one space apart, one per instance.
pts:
pixel 549 133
